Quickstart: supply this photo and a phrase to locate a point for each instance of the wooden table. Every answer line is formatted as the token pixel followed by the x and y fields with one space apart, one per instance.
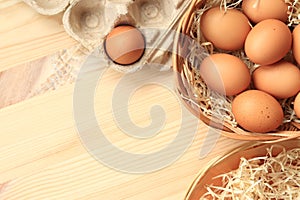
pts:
pixel 41 152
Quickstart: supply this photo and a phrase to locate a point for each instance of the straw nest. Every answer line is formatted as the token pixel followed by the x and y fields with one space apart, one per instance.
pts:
pixel 251 171
pixel 212 108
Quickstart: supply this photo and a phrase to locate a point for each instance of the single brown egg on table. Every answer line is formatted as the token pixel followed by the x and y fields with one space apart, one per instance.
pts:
pixel 297 105
pixel 296 43
pixel 125 45
pixel 257 111
pixel 268 42
pixel 225 73
pixel 281 79
pixel 226 30
pixel 259 10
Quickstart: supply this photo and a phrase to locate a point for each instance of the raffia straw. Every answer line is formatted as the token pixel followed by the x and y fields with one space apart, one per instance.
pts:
pixel 218 107
pixel 263 177
pixel 293 11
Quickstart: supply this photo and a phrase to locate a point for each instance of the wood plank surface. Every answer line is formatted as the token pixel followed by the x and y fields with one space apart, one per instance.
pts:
pixel 26 35
pixel 22 81
pixel 42 156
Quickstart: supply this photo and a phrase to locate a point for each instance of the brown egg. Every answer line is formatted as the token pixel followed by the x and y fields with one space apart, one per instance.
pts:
pixel 226 31
pixel 268 42
pixel 257 111
pixel 296 43
pixel 259 10
pixel 125 45
pixel 297 105
pixel 282 79
pixel 225 74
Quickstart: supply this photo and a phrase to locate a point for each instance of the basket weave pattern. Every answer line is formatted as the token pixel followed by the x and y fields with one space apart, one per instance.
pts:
pixel 212 108
pixel 230 161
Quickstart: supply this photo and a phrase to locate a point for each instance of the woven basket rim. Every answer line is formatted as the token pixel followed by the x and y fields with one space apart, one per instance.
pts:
pixel 251 146
pixel 225 130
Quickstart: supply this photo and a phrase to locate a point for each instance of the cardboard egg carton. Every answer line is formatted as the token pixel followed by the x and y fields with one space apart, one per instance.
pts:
pixel 89 21
pixel 46 7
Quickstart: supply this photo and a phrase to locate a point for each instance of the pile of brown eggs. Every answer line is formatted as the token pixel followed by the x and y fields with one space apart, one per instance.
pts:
pixel 260 29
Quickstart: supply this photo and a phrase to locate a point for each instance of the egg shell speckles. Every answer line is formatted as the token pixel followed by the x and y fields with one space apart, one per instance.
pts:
pixel 268 42
pixel 257 111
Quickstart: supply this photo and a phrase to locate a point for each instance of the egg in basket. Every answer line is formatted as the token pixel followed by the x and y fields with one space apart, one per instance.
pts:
pixel 240 70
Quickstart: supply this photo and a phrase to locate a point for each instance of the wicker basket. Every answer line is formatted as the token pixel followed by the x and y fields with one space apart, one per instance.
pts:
pixel 230 162
pixel 192 94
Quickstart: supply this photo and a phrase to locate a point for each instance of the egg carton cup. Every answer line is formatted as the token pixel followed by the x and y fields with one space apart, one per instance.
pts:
pixel 46 7
pixel 209 106
pixel 89 22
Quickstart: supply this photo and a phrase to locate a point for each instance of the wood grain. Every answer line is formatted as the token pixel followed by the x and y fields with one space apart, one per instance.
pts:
pixel 26 35
pixel 21 82
pixel 41 153
pixel 42 156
